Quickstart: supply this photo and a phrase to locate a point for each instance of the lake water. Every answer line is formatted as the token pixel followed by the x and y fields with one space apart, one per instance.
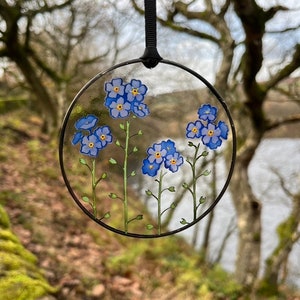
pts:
pixel 282 155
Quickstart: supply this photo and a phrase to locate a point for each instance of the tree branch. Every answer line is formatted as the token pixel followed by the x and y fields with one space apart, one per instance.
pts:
pixel 286 71
pixel 282 121
pixel 44 67
pixel 47 8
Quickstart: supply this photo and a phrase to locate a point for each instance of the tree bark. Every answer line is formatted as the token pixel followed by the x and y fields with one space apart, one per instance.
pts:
pixel 43 99
pixel 288 233
pixel 19 52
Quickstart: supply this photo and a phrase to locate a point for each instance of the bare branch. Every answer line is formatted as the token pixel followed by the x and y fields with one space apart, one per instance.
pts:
pixel 231 228
pixel 286 71
pixel 282 182
pixel 44 67
pixel 47 8
pixel 283 121
pixel 288 29
pixel 224 8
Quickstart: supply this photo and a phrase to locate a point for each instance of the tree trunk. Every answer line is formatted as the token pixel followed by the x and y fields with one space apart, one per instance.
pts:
pixel 288 234
pixel 44 100
pixel 248 210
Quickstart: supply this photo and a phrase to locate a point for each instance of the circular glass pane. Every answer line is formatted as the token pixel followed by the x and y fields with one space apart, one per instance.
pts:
pixel 147 152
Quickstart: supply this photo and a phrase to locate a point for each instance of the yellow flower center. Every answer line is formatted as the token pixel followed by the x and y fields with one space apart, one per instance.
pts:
pixel 210 132
pixel 195 130
pixel 134 91
pixel 157 155
pixel 116 89
pixel 102 137
pixel 91 145
pixel 151 167
pixel 173 161
pixel 119 106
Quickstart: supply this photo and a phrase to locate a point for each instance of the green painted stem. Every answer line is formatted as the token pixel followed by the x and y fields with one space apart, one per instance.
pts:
pixel 125 200
pixel 94 184
pixel 194 187
pixel 159 202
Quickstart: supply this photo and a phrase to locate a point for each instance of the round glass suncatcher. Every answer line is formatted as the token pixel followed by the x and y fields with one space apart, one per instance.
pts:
pixel 147 152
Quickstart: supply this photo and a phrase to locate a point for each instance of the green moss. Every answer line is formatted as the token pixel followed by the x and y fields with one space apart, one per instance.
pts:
pixel 18 286
pixel 17 249
pixel 267 290
pixel 4 220
pixel 223 284
pixel 20 277
pixel 122 263
pixel 6 234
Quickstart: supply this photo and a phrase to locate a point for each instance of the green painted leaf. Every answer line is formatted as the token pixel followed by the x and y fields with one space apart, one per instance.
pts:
pixel 202 200
pixel 82 161
pixel 183 221
pixel 185 185
pixel 148 193
pixel 206 173
pixel 204 153
pixel 113 196
pixel 139 217
pixel 149 226
pixel 86 199
pixel 171 189
pixel 107 215
pixel 173 205
pixel 112 161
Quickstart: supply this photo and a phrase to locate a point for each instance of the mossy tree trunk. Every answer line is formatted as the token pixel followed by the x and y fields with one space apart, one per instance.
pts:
pixel 288 234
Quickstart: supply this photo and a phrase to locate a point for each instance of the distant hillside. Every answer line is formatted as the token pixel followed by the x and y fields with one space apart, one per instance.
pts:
pixel 172 108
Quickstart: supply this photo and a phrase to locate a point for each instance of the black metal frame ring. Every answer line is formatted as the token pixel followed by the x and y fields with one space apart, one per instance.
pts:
pixel 62 140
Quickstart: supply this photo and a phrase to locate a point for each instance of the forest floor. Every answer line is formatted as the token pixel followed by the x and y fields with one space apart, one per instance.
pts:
pixel 82 259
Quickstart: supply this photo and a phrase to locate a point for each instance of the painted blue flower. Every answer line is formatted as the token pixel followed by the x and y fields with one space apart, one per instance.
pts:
pixel 140 109
pixel 135 90
pixel 108 101
pixel 173 161
pixel 207 112
pixel 90 145
pixel 169 145
pixel 86 123
pixel 119 108
pixel 211 136
pixel 193 129
pixel 114 88
pixel 224 129
pixel 77 137
pixel 150 168
pixel 164 152
pixel 104 135
pixel 156 153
